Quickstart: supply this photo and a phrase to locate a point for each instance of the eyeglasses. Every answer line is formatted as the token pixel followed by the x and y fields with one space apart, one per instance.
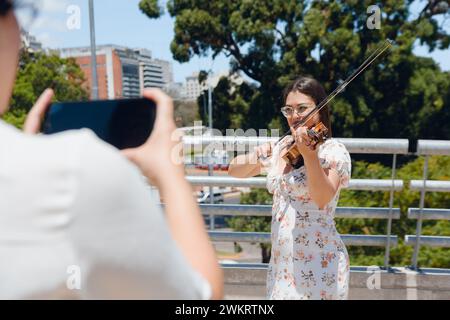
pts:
pixel 26 12
pixel 300 109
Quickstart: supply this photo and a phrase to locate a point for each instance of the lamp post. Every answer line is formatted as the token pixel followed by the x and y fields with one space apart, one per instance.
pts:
pixel 94 93
pixel 210 166
pixel 210 119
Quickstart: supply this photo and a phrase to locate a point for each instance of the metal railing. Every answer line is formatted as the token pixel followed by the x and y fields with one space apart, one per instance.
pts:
pixel 266 210
pixel 428 148
pixel 354 184
pixel 373 146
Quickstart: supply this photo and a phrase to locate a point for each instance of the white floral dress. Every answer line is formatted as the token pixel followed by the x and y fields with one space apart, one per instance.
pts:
pixel 308 258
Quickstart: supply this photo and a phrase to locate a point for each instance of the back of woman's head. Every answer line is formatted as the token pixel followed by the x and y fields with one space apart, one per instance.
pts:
pixel 5 6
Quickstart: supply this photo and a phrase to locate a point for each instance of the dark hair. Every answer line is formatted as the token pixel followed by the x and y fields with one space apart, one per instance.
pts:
pixel 312 88
pixel 5 6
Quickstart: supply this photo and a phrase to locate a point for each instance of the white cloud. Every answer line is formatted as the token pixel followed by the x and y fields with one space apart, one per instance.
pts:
pixel 52 18
pixel 54 6
pixel 42 22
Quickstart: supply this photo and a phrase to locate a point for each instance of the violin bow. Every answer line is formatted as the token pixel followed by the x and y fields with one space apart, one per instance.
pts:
pixel 380 49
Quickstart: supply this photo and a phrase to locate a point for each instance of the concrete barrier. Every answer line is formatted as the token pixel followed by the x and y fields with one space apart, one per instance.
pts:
pixel 395 284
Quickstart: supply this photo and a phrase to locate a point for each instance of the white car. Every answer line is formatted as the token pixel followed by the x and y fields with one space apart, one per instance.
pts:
pixel 203 197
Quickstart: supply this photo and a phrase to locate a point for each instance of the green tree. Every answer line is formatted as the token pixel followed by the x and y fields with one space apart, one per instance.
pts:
pixel 16 117
pixel 272 41
pixel 186 112
pixel 38 72
pixel 230 104
pixel 221 106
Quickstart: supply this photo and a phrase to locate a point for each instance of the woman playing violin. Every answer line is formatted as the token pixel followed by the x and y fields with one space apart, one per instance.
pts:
pixel 308 258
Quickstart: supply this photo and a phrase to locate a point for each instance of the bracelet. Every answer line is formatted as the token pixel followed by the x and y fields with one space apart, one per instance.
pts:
pixel 261 156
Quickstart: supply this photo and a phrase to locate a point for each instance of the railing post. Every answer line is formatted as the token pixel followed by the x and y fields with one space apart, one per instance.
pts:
pixel 391 204
pixel 211 198
pixel 419 219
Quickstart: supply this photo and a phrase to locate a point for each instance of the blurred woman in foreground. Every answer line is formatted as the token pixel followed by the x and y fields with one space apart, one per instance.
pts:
pixel 77 219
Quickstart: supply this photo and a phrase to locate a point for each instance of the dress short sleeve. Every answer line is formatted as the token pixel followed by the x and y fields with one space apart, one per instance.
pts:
pixel 270 167
pixel 334 155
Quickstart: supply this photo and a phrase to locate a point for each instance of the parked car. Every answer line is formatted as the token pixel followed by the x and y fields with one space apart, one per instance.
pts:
pixel 203 197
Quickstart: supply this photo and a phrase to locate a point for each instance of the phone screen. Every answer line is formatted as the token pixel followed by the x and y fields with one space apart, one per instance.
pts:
pixel 124 123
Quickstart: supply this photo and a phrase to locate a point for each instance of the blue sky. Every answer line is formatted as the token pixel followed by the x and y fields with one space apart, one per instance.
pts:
pixel 121 22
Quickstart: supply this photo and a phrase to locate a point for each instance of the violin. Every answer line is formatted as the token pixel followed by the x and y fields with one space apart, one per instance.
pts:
pixel 318 133
pixel 291 155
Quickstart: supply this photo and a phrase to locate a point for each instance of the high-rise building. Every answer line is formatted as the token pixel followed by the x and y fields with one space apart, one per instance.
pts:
pixel 131 79
pixel 150 73
pixel 192 89
pixel 121 72
pixel 109 69
pixel 166 67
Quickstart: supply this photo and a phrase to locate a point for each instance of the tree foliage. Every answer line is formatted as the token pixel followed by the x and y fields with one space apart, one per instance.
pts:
pixel 230 104
pixel 273 41
pixel 38 72
pixel 185 112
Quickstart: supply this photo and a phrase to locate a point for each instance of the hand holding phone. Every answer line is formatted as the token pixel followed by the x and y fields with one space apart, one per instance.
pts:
pixel 123 123
pixel 160 157
pixel 144 129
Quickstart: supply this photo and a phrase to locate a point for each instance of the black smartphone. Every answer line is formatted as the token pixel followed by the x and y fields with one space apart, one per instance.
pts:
pixel 123 123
